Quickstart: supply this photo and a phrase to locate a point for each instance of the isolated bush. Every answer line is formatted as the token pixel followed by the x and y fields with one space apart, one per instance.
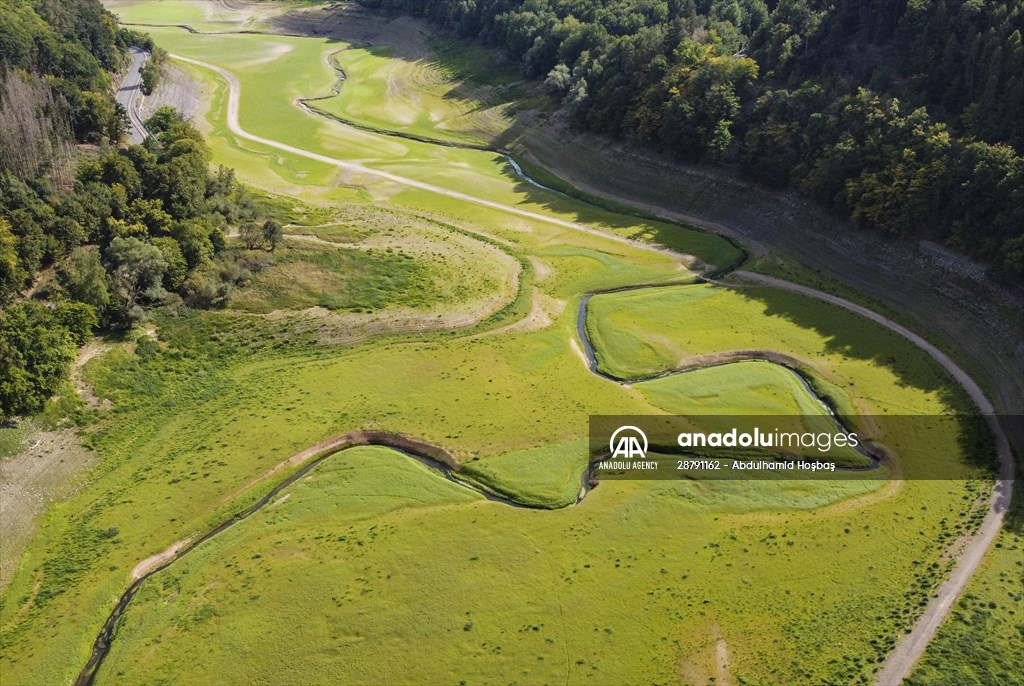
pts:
pixel 273 233
pixel 559 79
pixel 204 288
pixel 251 235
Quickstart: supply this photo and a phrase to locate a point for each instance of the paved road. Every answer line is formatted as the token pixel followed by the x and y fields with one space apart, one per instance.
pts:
pixel 909 649
pixel 128 96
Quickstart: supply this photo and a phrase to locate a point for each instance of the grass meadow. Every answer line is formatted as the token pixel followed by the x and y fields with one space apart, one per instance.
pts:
pixel 373 568
pixel 447 95
pixel 975 646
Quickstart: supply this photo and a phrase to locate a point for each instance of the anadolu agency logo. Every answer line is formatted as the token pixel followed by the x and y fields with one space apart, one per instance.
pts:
pixel 626 442
pixel 628 446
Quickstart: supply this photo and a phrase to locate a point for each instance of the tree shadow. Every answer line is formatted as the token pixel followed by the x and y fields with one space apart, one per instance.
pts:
pixel 852 336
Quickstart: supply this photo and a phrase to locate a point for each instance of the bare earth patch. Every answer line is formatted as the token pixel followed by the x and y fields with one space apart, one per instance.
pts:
pixel 179 90
pixel 543 311
pixel 541 269
pixel 51 468
pixel 709 664
pixel 154 561
pixel 88 352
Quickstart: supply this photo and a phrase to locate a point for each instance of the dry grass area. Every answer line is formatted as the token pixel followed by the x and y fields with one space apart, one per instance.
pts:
pixel 431 87
pixel 350 23
pixel 544 310
pixel 372 271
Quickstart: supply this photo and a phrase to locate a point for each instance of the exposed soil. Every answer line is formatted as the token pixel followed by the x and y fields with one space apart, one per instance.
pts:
pixel 709 664
pixel 934 291
pixel 154 561
pixel 722 663
pixel 50 469
pixel 543 311
pixel 84 390
pixel 179 90
pixel 350 23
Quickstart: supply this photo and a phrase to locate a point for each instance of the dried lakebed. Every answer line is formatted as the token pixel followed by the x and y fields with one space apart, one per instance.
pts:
pixel 439 459
pixel 442 462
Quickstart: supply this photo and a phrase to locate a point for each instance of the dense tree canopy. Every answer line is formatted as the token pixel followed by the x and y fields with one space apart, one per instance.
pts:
pixel 908 116
pixel 134 225
pixel 72 45
pixel 162 195
pixel 36 349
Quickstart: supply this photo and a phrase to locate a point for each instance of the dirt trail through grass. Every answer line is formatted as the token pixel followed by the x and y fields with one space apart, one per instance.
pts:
pixel 235 88
pixel 433 456
pixel 912 646
pixel 909 650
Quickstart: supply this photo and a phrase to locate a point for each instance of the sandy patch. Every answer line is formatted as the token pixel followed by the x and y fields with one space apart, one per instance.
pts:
pixel 541 269
pixel 724 678
pixel 154 561
pixel 177 89
pixel 579 352
pixel 272 54
pixel 709 664
pixel 543 311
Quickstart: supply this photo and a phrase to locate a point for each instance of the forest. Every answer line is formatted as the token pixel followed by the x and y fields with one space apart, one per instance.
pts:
pixel 906 116
pixel 120 229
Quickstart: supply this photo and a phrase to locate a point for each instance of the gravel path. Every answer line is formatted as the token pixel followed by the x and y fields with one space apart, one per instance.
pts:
pixel 234 98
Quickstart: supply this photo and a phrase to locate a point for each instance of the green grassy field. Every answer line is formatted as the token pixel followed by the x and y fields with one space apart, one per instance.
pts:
pixel 290 68
pixel 371 260
pixel 409 566
pixel 975 646
pixel 638 333
pixel 13 438
pixel 448 95
pixel 223 398
pixel 374 569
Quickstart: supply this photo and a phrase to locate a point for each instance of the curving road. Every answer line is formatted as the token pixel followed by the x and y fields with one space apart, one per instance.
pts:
pixel 128 96
pixel 433 456
pixel 911 646
pixel 234 97
pixel 909 649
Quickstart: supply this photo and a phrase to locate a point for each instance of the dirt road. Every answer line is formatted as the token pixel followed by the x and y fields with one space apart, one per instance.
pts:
pixel 907 652
pixel 911 646
pixel 234 98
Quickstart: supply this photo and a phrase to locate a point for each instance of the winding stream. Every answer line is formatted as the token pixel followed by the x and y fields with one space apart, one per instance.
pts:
pixel 336 90
pixel 435 457
pixel 441 461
